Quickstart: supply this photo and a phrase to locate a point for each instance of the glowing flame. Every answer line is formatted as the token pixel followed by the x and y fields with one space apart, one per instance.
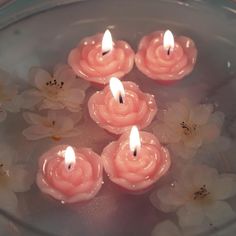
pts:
pixel 117 89
pixel 107 43
pixel 69 157
pixel 168 41
pixel 134 140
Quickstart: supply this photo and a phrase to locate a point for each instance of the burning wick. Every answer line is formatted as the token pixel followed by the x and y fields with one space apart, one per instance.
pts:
pixel 168 51
pixel 105 53
pixel 134 141
pixel 69 158
pixel 107 43
pixel 168 41
pixel 121 99
pixel 117 89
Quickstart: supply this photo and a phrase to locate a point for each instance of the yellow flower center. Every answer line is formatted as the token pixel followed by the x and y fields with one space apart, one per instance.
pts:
pixel 188 129
pixel 55 138
pixel 201 193
pixel 202 196
pixel 53 87
pixel 3 175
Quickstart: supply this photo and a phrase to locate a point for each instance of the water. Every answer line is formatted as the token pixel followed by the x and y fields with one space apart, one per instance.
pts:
pixel 45 39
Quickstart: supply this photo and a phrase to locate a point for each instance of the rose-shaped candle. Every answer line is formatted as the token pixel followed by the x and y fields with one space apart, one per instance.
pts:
pixel 70 174
pixel 121 105
pixel 97 58
pixel 164 59
pixel 133 163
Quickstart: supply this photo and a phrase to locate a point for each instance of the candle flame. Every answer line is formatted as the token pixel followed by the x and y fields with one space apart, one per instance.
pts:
pixel 107 43
pixel 168 41
pixel 134 140
pixel 117 89
pixel 69 157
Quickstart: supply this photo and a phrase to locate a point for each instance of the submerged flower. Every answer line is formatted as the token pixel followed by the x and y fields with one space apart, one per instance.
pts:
pixel 56 124
pixel 198 196
pixel 187 127
pixel 13 178
pixel 166 228
pixel 9 101
pixel 58 91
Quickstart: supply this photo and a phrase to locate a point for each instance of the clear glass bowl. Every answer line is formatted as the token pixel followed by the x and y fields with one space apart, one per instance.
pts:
pixel 41 33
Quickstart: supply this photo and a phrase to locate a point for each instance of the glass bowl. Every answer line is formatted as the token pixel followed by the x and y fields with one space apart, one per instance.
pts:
pixel 41 33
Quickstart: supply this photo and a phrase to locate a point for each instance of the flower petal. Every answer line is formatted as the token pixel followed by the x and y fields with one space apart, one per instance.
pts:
pixel 81 84
pixel 219 212
pixel 33 119
pixel 181 150
pixel 203 175
pixel 224 187
pixel 190 215
pixel 37 132
pixel 194 141
pixel 7 154
pixel 169 197
pixel 209 132
pixel 8 200
pixel 217 118
pixel 166 134
pixel 176 113
pixel 72 133
pixel 74 97
pixel 64 73
pixel 48 104
pixel 193 176
pixel 14 105
pixel 41 77
pixel 3 115
pixel 200 114
pixel 63 124
pixel 30 98
pixel 21 178
pixel 166 228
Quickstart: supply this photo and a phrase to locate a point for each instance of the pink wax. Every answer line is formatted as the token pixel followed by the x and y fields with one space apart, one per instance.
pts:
pixel 138 109
pixel 153 60
pixel 89 63
pixel 135 173
pixel 80 183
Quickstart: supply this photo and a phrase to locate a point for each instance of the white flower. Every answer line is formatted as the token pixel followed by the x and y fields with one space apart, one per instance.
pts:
pixel 59 91
pixel 9 98
pixel 187 127
pixel 166 228
pixel 13 178
pixel 56 125
pixel 198 196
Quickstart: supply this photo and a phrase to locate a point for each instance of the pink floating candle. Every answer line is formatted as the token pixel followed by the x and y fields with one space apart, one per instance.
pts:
pixel 136 160
pixel 164 59
pixel 98 58
pixel 121 105
pixel 70 174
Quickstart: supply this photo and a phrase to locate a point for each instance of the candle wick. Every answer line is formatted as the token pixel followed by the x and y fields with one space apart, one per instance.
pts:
pixel 135 152
pixel 69 166
pixel 104 53
pixel 121 99
pixel 168 51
